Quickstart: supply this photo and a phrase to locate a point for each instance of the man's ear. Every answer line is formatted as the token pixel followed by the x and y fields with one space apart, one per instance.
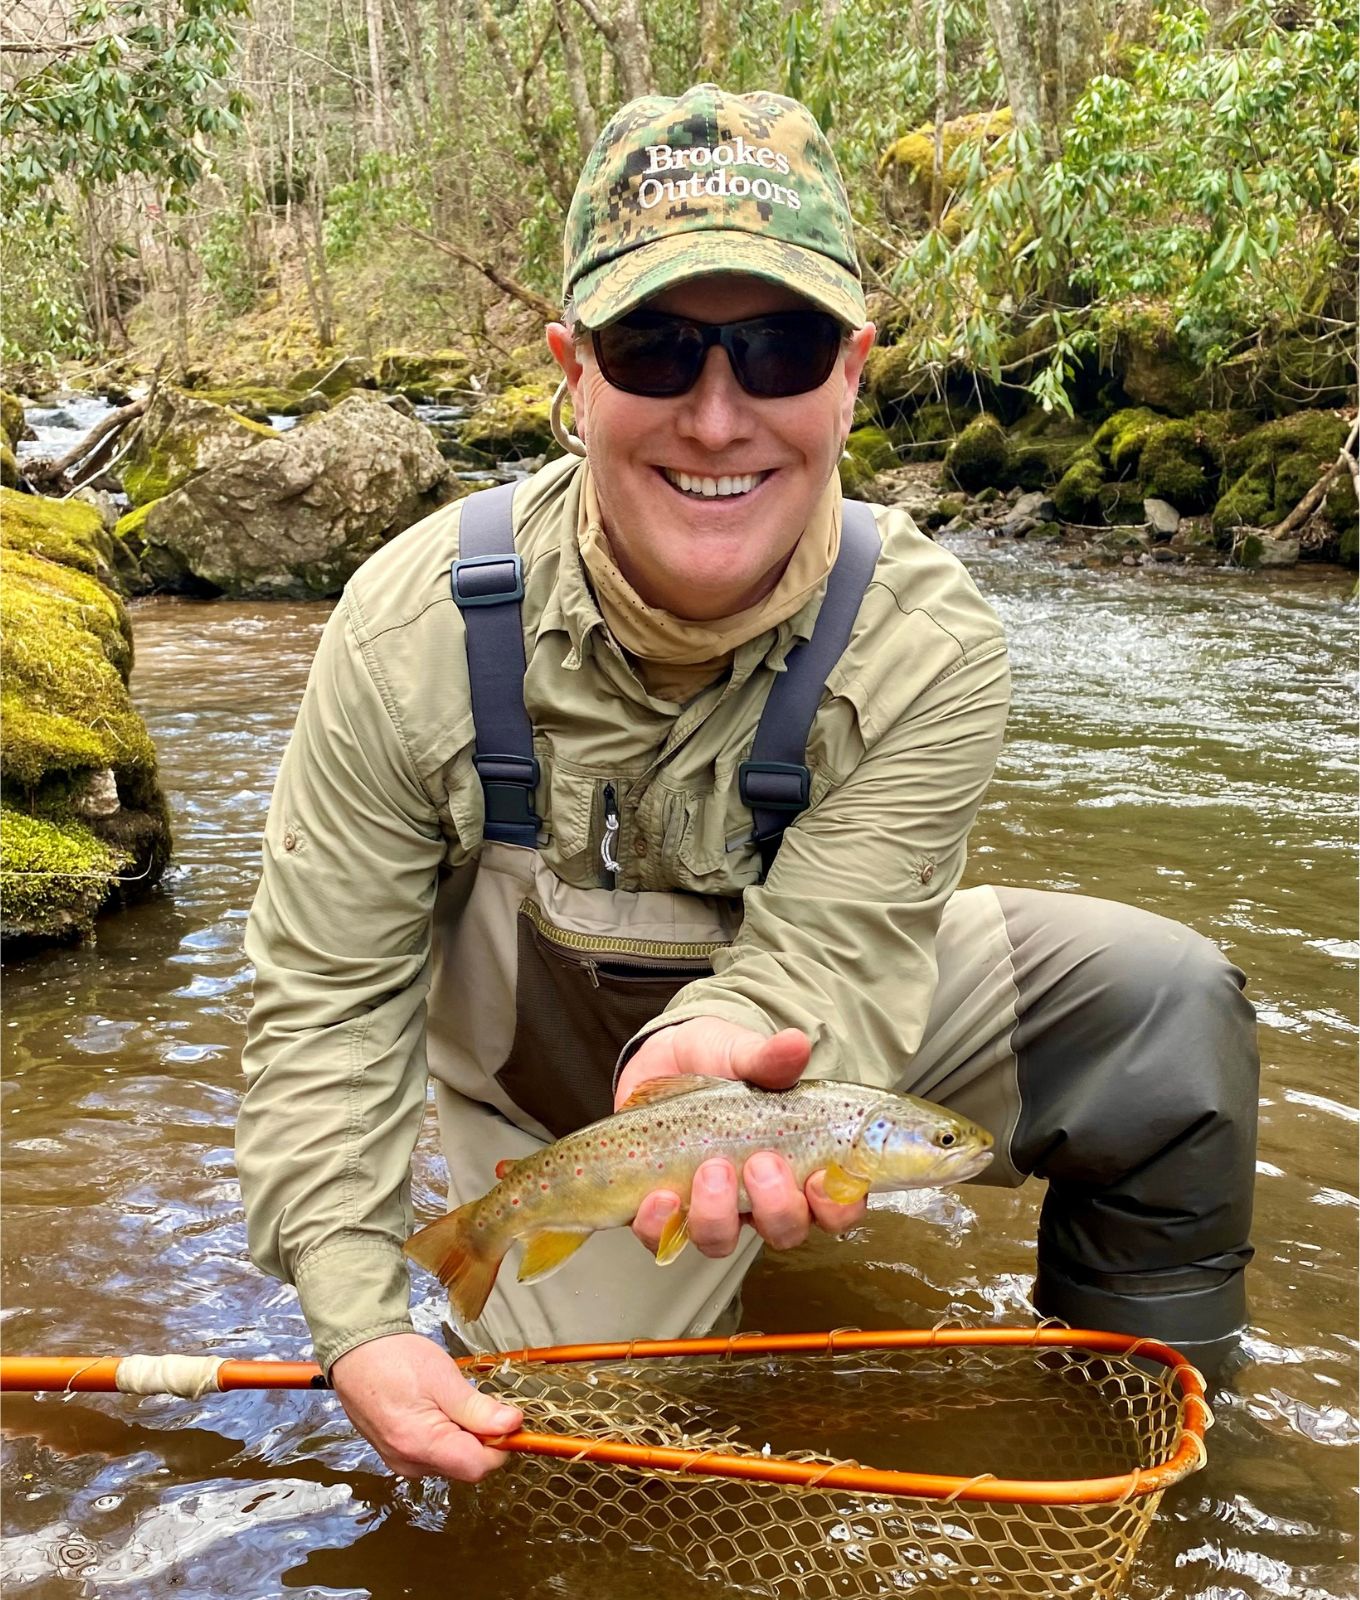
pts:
pixel 563 348
pixel 857 350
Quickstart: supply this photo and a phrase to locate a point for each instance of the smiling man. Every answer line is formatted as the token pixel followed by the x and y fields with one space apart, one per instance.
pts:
pixel 663 762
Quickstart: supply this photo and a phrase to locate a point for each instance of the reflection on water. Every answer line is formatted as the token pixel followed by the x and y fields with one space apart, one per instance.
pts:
pixel 1180 740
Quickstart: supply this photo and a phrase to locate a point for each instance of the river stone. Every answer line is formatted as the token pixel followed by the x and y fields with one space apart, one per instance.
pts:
pixel 294 514
pixel 1163 518
pixel 1036 504
pixel 180 436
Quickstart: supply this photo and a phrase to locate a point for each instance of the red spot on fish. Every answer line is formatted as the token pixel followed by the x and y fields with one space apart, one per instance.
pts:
pixel 544 1187
pixel 579 1171
pixel 604 1144
pixel 515 1201
pixel 632 1155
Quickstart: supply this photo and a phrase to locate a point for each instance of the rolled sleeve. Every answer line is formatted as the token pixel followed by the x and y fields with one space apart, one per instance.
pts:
pixel 840 939
pixel 339 935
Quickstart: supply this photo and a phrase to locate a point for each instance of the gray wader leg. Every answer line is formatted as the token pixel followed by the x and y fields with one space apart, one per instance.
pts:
pixel 1128 1079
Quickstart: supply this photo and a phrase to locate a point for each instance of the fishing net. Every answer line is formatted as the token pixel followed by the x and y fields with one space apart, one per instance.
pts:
pixel 1037 1466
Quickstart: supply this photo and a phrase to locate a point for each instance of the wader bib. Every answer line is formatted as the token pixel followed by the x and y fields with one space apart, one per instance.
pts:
pixel 1108 1050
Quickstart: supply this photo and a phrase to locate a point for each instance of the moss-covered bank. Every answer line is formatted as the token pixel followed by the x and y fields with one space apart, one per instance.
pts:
pixel 82 814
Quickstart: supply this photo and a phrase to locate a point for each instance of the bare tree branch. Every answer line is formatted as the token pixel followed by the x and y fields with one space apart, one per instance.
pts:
pixel 1313 499
pixel 503 281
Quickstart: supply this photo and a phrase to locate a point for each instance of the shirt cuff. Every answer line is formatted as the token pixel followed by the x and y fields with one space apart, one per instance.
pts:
pixel 353 1290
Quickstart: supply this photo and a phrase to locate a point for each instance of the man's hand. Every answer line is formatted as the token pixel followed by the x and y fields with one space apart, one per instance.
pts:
pixel 409 1400
pixel 781 1213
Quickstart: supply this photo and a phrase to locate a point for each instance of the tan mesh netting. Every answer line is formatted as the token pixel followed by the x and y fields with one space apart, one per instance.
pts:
pixel 958 1418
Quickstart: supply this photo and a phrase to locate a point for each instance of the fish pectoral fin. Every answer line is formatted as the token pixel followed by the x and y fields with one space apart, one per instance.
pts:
pixel 651 1090
pixel 674 1237
pixel 545 1252
pixel 842 1186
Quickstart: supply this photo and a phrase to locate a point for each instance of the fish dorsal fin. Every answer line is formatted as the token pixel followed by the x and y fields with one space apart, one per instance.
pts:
pixel 652 1090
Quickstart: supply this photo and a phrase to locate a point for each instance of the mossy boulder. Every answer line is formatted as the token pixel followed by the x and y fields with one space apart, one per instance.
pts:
pixel 1156 366
pixel 69 732
pixel 182 435
pixel 908 163
pixel 1178 463
pixel 1269 470
pixel 1078 493
pixel 874 448
pixel 9 467
pixel 294 514
pixel 68 532
pixel 425 377
pixel 256 402
pixel 1120 438
pixel 979 456
pixel 350 372
pixel 512 424
pixel 928 432
pixel 12 424
pixel 858 481
pixel 1042 462
pixel 895 372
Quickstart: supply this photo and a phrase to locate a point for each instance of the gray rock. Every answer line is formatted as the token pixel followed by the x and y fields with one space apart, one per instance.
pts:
pixel 103 502
pixel 295 514
pixel 97 796
pixel 1035 504
pixel 1017 527
pixel 1163 518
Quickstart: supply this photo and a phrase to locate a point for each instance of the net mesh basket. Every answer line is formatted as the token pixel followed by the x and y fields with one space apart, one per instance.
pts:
pixel 943 1464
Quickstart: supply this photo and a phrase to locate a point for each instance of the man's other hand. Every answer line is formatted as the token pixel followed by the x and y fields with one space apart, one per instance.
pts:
pixel 409 1400
pixel 781 1213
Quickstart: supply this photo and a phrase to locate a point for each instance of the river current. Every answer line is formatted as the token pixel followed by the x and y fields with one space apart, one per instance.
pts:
pixel 1180 740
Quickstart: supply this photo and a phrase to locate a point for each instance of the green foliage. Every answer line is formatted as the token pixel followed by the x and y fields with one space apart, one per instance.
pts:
pixel 40 267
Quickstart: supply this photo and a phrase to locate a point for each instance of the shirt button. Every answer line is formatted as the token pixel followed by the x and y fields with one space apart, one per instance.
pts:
pixel 290 840
pixel 639 847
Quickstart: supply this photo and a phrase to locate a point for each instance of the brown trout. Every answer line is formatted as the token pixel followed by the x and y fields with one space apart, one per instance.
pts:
pixel 864 1139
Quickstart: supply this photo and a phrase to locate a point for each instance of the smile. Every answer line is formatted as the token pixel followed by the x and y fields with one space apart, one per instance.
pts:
pixel 723 488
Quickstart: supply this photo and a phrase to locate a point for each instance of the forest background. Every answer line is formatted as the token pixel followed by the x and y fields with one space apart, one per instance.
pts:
pixel 242 187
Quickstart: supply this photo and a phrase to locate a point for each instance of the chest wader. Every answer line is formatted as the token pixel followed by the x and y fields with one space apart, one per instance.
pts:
pixel 539 984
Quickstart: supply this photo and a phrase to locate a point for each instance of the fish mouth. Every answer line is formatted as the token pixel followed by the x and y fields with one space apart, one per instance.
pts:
pixel 969 1166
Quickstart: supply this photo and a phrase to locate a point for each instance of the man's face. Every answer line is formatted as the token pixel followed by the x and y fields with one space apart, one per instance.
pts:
pixel 709 556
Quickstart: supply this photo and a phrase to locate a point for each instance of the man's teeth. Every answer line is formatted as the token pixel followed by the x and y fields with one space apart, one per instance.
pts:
pixel 713 488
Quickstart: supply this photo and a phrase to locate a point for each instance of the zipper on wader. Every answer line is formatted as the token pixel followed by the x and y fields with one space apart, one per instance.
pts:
pixel 609 839
pixel 614 954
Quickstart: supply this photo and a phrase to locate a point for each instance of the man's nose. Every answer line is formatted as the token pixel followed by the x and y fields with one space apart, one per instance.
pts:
pixel 717 409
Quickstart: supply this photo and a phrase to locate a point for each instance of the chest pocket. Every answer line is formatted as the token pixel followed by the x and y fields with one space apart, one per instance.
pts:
pixel 580 997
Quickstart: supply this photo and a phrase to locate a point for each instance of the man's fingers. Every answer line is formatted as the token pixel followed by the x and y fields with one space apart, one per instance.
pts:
pixel 773 1063
pixel 483 1413
pixel 652 1216
pixel 714 1225
pixel 779 1213
pixel 444 1450
pixel 828 1215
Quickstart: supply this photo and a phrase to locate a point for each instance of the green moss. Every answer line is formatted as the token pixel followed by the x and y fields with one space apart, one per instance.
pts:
pixel 895 372
pixel 1042 462
pixel 1120 438
pixel 1156 366
pixel 1178 463
pixel 874 448
pixel 424 376
pixel 185 430
pixel 950 506
pixel 979 455
pixel 65 531
pixel 1078 492
pixel 514 423
pixel 130 526
pixel 11 417
pixel 55 877
pixel 254 404
pixel 9 467
pixel 1269 470
pixel 857 479
pixel 911 159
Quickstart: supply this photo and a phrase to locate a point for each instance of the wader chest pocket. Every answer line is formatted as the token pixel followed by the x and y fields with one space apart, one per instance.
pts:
pixel 580 997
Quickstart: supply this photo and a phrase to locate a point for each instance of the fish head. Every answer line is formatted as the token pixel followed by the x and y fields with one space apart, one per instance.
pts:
pixel 909 1143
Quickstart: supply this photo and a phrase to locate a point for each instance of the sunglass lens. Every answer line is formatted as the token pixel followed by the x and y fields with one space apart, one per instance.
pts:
pixel 785 355
pixel 646 356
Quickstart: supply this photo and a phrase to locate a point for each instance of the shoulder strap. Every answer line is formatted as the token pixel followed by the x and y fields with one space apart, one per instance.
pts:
pixel 488 584
pixel 776 783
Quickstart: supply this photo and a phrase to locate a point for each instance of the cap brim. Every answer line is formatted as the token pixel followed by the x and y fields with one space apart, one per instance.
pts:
pixel 606 293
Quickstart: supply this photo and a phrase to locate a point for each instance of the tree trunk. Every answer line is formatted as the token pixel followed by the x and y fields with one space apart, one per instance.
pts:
pixel 1013 51
pixel 941 95
pixel 713 16
pixel 377 74
pixel 534 125
pixel 625 36
pixel 578 90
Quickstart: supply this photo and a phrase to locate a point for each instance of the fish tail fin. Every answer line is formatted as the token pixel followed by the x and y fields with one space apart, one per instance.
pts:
pixel 465 1263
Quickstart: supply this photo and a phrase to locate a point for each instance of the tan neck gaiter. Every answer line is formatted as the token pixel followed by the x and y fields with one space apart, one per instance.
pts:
pixel 676 656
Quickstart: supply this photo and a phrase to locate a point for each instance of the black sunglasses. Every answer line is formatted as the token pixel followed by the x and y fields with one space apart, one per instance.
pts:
pixel 656 354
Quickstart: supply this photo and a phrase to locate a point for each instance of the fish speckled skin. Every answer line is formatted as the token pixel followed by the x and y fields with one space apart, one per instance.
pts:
pixel 865 1139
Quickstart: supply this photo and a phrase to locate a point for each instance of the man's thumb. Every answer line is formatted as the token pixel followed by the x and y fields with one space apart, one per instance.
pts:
pixel 775 1062
pixel 485 1414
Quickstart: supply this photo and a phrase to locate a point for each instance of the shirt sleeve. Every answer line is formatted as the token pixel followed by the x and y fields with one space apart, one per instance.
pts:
pixel 840 939
pixel 339 935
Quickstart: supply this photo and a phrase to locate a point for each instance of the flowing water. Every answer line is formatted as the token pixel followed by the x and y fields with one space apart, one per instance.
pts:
pixel 1180 740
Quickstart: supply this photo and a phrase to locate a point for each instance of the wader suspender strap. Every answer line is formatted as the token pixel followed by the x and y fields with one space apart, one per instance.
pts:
pixel 488 585
pixel 776 783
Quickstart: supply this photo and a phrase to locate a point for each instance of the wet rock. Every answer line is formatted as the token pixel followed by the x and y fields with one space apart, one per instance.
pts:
pixel 97 795
pixel 400 404
pixel 295 514
pixel 12 422
pixel 1254 547
pixel 1163 519
pixel 310 404
pixel 512 424
pixel 1037 505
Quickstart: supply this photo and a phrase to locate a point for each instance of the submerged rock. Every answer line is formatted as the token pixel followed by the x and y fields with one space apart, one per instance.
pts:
pixel 293 515
pixel 80 801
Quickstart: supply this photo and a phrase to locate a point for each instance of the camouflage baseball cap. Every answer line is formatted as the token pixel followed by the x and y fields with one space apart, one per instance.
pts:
pixel 709 182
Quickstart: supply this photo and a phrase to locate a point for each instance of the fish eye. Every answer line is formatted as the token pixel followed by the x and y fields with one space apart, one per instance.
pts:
pixel 945 1139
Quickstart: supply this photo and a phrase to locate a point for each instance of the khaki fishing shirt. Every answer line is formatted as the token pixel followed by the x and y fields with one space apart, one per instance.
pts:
pixel 374 836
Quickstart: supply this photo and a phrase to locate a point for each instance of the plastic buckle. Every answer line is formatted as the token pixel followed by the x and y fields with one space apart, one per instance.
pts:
pixel 508 784
pixel 492 580
pixel 774 786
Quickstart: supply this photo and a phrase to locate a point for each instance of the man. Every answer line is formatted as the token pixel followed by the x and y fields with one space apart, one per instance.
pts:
pixel 545 851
